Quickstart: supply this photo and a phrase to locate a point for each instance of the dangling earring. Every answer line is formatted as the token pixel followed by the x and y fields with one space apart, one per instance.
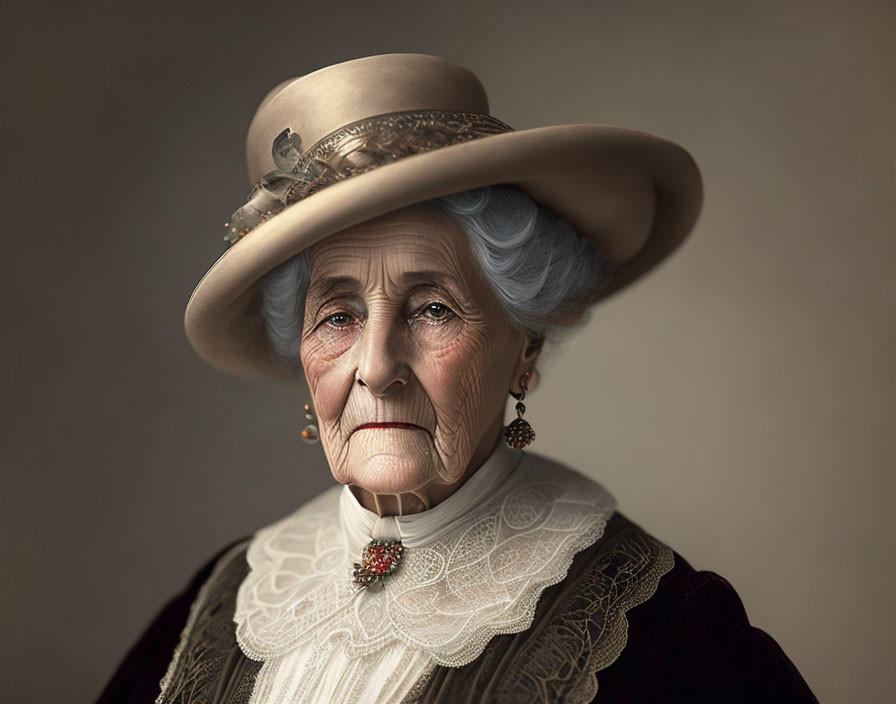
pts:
pixel 309 432
pixel 519 433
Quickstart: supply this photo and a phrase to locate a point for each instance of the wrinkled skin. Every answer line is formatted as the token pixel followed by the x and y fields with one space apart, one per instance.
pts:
pixel 400 327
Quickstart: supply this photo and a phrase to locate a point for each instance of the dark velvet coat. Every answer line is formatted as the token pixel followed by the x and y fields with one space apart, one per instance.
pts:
pixel 621 627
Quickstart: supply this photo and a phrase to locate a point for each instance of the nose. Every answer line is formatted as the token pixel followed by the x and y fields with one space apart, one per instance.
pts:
pixel 381 356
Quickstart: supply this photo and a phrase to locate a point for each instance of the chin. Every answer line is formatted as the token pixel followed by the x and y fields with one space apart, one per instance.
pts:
pixel 391 465
pixel 390 474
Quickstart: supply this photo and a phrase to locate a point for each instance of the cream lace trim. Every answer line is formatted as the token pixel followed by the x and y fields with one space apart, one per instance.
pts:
pixel 448 598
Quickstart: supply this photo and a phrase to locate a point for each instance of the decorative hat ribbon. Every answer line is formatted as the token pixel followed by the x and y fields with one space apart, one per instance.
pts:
pixel 351 150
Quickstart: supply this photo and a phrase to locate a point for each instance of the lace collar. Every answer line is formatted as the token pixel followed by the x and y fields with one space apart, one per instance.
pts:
pixel 474 567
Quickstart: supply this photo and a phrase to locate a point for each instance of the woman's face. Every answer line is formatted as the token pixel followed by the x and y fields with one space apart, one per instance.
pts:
pixel 409 358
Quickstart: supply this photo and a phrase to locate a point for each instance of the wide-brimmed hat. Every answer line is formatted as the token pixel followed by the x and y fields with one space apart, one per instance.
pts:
pixel 363 138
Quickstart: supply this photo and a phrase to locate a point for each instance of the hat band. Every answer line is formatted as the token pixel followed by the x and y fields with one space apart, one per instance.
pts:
pixel 354 149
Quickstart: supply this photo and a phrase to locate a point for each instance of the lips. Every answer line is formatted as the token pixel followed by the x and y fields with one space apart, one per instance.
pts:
pixel 384 426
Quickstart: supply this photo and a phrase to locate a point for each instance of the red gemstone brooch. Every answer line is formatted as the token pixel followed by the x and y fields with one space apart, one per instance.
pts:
pixel 380 558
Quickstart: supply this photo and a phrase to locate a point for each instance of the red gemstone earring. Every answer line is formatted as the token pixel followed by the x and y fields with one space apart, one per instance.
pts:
pixel 309 432
pixel 519 433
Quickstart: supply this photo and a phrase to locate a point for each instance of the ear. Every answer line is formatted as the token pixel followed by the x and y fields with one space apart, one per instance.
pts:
pixel 526 360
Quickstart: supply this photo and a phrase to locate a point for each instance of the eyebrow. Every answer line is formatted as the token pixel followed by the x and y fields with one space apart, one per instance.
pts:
pixel 327 285
pixel 437 278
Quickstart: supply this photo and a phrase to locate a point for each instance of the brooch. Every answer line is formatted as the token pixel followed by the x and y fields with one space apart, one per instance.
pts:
pixel 379 559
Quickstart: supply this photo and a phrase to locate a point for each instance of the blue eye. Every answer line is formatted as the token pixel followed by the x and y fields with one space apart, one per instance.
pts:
pixel 437 311
pixel 339 320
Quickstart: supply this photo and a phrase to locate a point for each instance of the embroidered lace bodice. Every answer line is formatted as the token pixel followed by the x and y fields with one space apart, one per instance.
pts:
pixel 473 567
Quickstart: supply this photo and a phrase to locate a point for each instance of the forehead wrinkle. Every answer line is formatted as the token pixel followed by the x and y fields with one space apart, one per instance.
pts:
pixel 397 260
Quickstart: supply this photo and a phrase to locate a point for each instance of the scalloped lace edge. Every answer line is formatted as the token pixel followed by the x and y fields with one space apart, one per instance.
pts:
pixel 602 660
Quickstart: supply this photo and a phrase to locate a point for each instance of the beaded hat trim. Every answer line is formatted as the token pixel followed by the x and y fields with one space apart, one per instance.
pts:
pixel 354 149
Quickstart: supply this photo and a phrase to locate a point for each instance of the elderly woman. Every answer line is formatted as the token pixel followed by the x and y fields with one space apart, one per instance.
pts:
pixel 410 263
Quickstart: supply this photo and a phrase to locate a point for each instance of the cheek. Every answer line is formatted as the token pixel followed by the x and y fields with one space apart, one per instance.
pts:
pixel 328 380
pixel 462 379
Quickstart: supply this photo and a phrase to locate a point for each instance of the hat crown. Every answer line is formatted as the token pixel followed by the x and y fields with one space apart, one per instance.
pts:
pixel 321 102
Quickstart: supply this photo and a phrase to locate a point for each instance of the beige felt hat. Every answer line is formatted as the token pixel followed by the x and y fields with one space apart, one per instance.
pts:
pixel 362 138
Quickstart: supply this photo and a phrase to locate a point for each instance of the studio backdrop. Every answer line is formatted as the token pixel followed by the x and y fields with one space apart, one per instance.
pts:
pixel 738 401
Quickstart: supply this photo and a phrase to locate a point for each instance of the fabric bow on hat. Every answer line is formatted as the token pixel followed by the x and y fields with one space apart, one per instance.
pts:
pixel 273 192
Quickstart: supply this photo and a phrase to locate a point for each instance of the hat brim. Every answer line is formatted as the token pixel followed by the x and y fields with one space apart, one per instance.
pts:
pixel 633 195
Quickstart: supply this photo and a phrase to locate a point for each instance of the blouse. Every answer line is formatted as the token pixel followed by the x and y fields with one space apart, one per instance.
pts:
pixel 524 585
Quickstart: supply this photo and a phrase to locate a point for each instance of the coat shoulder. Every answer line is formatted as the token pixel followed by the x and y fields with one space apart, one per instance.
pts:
pixel 693 639
pixel 631 622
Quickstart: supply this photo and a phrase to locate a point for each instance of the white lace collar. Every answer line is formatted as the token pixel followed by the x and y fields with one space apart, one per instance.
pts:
pixel 474 566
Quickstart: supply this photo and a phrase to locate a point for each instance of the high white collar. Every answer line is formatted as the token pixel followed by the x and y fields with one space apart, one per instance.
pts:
pixel 475 566
pixel 415 530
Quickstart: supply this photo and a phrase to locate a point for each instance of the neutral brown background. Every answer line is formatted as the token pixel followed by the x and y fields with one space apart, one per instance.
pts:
pixel 739 401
